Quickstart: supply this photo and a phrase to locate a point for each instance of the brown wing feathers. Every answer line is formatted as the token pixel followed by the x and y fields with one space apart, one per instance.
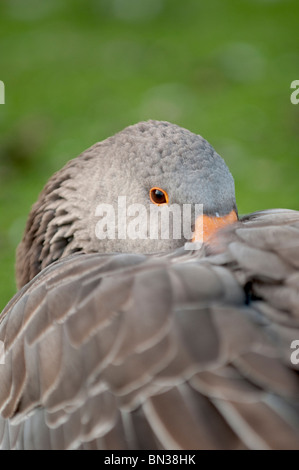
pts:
pixel 130 351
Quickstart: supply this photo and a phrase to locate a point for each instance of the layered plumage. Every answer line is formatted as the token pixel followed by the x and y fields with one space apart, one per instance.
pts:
pixel 176 350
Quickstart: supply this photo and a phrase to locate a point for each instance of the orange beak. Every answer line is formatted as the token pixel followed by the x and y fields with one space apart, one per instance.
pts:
pixel 206 226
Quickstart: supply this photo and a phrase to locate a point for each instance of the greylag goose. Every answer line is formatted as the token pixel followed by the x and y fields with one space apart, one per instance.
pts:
pixel 139 342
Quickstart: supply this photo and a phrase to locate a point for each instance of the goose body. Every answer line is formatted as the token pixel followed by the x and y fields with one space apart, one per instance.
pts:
pixel 138 344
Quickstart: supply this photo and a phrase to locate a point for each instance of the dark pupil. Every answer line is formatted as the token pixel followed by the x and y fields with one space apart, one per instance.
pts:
pixel 159 196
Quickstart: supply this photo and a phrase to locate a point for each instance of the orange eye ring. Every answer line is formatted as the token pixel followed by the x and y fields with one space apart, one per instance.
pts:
pixel 158 196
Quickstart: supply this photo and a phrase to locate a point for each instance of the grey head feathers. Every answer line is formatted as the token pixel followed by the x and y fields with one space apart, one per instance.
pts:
pixel 147 154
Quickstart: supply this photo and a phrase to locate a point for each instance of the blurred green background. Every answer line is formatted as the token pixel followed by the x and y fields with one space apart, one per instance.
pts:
pixel 77 71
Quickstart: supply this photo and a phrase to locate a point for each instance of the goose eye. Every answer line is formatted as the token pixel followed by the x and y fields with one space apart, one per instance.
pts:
pixel 158 196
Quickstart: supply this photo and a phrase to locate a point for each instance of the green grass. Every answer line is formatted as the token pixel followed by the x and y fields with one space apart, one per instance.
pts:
pixel 78 71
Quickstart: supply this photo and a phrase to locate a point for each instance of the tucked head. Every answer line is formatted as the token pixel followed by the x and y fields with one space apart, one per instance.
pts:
pixel 89 205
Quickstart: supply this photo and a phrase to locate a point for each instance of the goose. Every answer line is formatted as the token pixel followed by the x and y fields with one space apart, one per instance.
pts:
pixel 117 342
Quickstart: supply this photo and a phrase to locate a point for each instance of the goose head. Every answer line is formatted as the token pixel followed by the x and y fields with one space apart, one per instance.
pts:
pixel 88 206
